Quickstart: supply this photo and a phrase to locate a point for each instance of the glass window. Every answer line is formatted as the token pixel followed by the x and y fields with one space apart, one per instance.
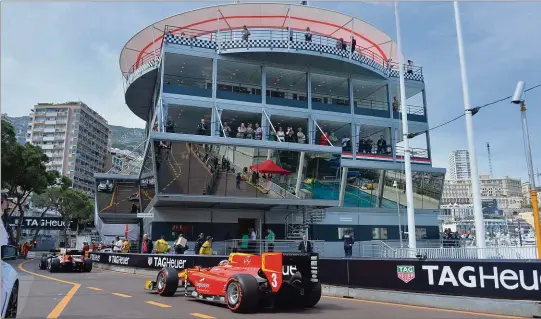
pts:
pixel 286 87
pixel 330 93
pixel 345 230
pixel 188 75
pixel 239 81
pixel 420 232
pixel 379 233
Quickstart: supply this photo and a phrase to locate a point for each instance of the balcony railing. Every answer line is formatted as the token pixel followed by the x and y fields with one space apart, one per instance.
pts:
pixel 275 38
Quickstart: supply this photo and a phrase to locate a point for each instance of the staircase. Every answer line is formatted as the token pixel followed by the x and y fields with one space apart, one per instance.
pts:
pixel 298 221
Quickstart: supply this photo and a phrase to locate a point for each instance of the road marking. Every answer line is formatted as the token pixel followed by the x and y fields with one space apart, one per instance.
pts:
pixel 424 307
pixel 157 304
pixel 57 311
pixel 94 288
pixel 121 295
pixel 200 315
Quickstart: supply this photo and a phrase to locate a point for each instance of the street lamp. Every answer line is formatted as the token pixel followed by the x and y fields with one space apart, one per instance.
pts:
pixel 519 98
pixel 395 185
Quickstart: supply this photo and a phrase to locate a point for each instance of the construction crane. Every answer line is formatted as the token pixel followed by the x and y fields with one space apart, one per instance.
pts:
pixel 489 159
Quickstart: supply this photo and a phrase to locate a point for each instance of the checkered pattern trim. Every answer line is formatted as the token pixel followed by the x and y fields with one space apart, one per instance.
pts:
pixel 408 76
pixel 206 44
pixel 284 44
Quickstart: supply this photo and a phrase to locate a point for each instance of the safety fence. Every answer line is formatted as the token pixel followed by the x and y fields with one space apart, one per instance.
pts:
pixel 512 280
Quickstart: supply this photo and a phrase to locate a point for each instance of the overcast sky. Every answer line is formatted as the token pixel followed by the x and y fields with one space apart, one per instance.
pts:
pixel 54 52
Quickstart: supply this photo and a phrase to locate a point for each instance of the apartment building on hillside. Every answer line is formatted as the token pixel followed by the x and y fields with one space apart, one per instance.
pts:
pixel 75 137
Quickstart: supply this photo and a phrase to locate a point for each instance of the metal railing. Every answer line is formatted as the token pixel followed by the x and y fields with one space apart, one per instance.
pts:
pixel 259 246
pixel 415 152
pixel 275 38
pixel 527 252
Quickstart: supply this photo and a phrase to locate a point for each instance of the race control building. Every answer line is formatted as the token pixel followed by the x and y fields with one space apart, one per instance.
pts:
pixel 275 116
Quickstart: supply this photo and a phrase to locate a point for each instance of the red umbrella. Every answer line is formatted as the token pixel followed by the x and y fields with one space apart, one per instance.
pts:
pixel 269 167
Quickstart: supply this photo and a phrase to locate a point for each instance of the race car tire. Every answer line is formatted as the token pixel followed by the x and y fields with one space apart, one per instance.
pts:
pixel 312 297
pixel 87 266
pixel 55 265
pixel 242 294
pixel 43 263
pixel 167 282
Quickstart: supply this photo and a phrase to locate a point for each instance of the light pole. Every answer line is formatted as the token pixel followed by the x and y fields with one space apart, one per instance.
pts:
pixel 476 189
pixel 412 240
pixel 519 98
pixel 395 185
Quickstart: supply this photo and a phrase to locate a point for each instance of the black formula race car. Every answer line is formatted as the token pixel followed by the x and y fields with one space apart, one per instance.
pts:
pixel 66 260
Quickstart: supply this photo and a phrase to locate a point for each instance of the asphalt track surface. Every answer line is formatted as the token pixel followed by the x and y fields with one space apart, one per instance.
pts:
pixel 108 294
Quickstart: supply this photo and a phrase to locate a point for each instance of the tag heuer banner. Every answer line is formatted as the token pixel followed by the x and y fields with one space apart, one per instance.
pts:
pixel 43 223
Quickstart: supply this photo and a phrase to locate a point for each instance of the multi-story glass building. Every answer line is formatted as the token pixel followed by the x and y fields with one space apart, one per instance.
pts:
pixel 266 116
pixel 74 137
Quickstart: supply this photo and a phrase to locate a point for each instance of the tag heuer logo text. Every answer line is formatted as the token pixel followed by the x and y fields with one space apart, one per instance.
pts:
pixel 405 273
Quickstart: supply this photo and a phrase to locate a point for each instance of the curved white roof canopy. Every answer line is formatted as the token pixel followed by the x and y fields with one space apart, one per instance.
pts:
pixel 260 15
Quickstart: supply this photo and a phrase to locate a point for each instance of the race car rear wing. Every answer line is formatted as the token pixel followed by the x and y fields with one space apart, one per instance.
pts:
pixel 281 267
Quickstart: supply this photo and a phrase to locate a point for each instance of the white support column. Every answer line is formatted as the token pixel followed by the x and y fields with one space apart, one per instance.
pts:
pixel 355 131
pixel 311 131
pixel 218 30
pixel 342 187
pixel 476 189
pixel 264 85
pixel 299 175
pixel 412 240
pixel 214 78
pixel 309 88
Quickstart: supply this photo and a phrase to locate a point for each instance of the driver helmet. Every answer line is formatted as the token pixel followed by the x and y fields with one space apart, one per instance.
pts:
pixel 223 262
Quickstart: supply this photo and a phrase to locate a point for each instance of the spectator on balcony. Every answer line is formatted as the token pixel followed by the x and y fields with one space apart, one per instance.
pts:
pixel 346 143
pixel 341 45
pixel 170 125
pixel 226 130
pixel 280 134
pixel 325 139
pixel 301 138
pixel 290 34
pixel 349 240
pixel 206 249
pixel 258 132
pixel 368 145
pixel 250 132
pixel 334 139
pixel 270 240
pixel 241 131
pixel 238 179
pixel 182 34
pixel 202 128
pixel 290 135
pixel 308 35
pixel 199 242
pixel 396 104
pixel 147 245
pixel 305 246
pixel 382 145
pixel 272 136
pixel 410 67
pixel 245 33
pixel 353 44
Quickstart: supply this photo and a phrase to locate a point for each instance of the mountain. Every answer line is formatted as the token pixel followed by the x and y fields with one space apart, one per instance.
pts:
pixel 126 138
pixel 123 138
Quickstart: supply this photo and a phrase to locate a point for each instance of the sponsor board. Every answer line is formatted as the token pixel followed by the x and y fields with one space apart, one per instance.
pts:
pixel 166 262
pixel 481 277
pixel 95 257
pixel 405 273
pixel 119 260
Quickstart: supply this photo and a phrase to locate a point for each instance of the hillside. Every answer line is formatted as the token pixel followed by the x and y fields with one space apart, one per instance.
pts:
pixel 123 138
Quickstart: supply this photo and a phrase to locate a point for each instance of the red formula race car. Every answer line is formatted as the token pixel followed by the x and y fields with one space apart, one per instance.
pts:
pixel 247 282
